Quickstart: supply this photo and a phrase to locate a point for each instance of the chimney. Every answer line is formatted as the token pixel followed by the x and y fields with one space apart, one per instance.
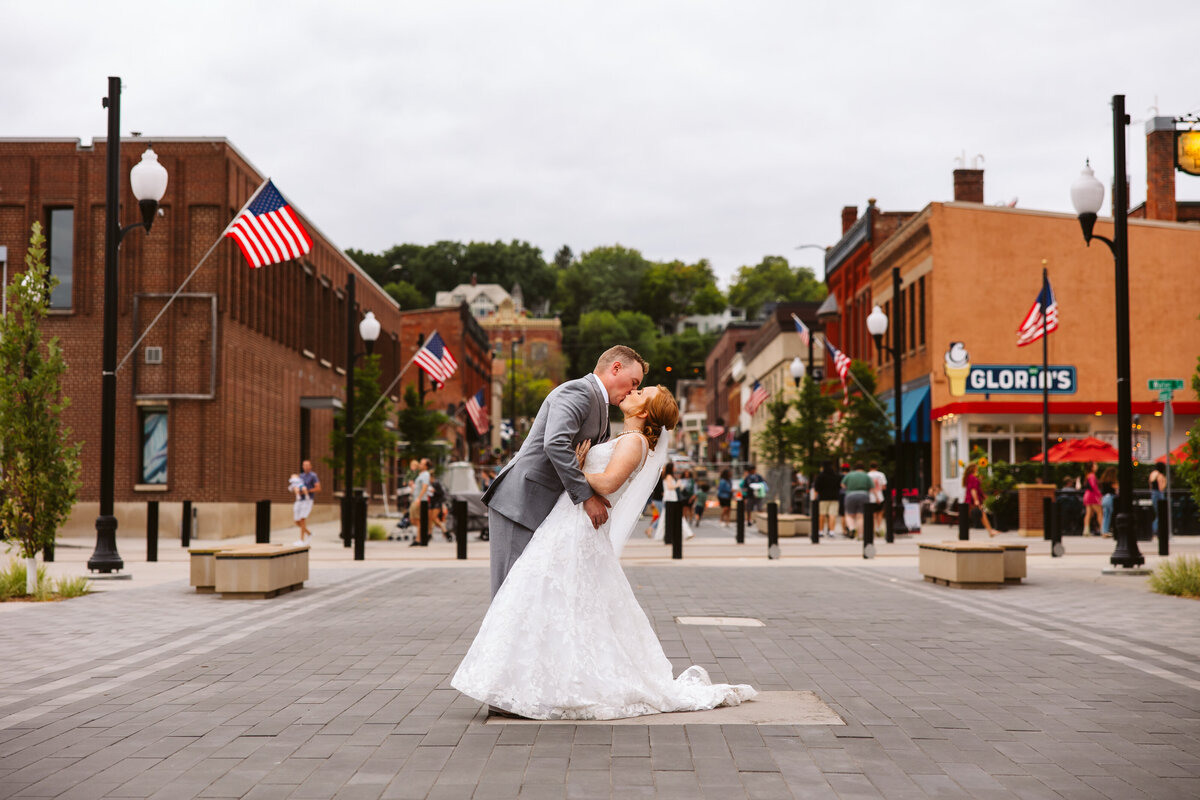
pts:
pixel 1160 168
pixel 968 186
pixel 849 217
pixel 472 278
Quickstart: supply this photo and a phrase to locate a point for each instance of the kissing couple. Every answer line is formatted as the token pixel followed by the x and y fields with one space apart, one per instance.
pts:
pixel 564 637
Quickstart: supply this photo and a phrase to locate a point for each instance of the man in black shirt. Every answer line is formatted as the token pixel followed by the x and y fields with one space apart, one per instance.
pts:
pixel 828 486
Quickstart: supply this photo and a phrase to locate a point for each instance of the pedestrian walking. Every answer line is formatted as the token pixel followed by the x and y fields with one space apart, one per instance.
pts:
pixel 858 493
pixel 973 491
pixel 699 501
pixel 725 496
pixel 1092 502
pixel 828 487
pixel 302 504
pixel 1108 492
pixel 878 488
pixel 1158 488
pixel 754 488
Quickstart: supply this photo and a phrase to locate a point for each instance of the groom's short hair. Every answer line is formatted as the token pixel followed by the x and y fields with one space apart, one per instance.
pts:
pixel 626 355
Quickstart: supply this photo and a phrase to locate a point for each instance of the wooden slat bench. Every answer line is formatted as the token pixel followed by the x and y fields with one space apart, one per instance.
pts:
pixel 963 565
pixel 259 571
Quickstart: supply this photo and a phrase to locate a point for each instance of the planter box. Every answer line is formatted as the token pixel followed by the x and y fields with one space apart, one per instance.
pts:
pixel 789 524
pixel 963 565
pixel 260 571
pixel 1029 505
pixel 1014 562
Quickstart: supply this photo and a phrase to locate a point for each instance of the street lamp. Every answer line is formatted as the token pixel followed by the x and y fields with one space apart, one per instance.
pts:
pixel 368 329
pixel 148 180
pixel 797 370
pixel 512 389
pixel 1087 194
pixel 877 325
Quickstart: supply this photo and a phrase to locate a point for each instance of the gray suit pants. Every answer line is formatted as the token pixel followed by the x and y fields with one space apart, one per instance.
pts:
pixel 507 540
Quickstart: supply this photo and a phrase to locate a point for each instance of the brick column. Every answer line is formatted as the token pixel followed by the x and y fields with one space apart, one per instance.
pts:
pixel 1160 168
pixel 1029 506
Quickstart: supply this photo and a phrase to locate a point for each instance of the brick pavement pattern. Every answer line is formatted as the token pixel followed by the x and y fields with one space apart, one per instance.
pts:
pixel 1055 689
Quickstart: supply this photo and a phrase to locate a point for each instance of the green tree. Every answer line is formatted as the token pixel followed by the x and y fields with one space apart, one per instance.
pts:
pixel 603 279
pixel 372 437
pixel 39 467
pixel 684 353
pixel 418 427
pixel 1189 467
pixel 813 428
pixel 778 439
pixel 407 295
pixel 865 432
pixel 670 291
pixel 773 280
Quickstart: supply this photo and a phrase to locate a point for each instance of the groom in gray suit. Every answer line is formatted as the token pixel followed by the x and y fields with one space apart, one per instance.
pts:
pixel 523 493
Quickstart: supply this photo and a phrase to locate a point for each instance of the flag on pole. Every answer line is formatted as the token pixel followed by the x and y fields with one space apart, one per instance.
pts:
pixel 841 364
pixel 715 431
pixel 267 230
pixel 758 396
pixel 477 413
pixel 1042 318
pixel 801 329
pixel 435 359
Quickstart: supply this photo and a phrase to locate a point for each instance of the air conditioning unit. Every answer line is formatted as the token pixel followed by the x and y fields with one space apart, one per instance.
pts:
pixel 154 355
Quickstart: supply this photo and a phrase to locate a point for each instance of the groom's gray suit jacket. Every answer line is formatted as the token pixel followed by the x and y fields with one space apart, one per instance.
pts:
pixel 528 487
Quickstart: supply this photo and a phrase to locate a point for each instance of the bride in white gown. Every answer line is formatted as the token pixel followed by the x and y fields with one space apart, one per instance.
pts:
pixel 565 637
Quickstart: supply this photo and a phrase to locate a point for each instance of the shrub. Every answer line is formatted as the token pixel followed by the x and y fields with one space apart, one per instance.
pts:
pixel 1179 576
pixel 12 584
pixel 73 587
pixel 376 533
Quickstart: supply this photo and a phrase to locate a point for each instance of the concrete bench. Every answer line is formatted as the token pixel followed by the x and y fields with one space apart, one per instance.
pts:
pixel 963 565
pixel 1014 562
pixel 259 571
pixel 789 524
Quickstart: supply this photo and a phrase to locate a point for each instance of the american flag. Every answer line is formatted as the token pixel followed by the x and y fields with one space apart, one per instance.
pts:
pixel 715 431
pixel 1031 329
pixel 801 329
pixel 758 395
pixel 841 364
pixel 477 413
pixel 434 357
pixel 268 231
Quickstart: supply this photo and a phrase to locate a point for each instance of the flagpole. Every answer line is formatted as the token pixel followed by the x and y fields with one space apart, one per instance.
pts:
pixel 191 274
pixel 858 383
pixel 384 394
pixel 1042 300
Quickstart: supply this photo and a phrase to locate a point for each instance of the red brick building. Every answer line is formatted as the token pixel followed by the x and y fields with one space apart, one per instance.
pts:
pixel 239 379
pixel 722 391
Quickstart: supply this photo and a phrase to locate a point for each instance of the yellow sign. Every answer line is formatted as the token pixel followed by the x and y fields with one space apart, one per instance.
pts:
pixel 1187 151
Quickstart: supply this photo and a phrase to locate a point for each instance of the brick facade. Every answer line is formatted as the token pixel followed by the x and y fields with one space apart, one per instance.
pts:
pixel 232 385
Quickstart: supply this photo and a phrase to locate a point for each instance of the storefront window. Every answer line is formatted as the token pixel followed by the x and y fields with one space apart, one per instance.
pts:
pixel 951 461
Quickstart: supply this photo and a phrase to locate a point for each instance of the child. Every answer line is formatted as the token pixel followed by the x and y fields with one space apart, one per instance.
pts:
pixel 699 500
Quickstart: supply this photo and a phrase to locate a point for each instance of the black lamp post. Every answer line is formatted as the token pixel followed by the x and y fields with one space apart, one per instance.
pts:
pixel 369 330
pixel 512 390
pixel 877 325
pixel 148 180
pixel 1087 195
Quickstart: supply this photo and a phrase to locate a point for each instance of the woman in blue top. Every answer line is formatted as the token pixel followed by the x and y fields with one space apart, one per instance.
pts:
pixel 724 496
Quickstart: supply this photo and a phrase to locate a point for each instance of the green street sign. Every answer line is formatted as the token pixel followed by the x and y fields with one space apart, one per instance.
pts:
pixel 1161 384
pixel 1164 395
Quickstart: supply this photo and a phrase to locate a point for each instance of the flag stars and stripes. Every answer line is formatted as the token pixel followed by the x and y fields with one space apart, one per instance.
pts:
pixel 268 230
pixel 435 359
pixel 1034 324
pixel 475 410
pixel 758 395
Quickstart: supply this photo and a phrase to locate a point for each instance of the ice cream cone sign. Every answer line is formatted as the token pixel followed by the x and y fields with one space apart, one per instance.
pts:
pixel 958 367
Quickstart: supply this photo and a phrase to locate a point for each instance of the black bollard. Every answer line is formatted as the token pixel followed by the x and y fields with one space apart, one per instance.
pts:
pixel 814 523
pixel 741 521
pixel 460 528
pixel 1047 517
pixel 262 522
pixel 360 525
pixel 868 538
pixel 1164 529
pixel 964 521
pixel 889 524
pixel 423 531
pixel 185 525
pixel 772 530
pixel 673 532
pixel 152 530
pixel 1056 546
pixel 347 519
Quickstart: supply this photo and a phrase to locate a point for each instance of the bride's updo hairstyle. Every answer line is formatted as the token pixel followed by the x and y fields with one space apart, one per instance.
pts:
pixel 662 413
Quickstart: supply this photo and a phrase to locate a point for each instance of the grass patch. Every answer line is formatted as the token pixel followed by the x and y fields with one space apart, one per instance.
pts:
pixel 12 584
pixel 376 533
pixel 1179 576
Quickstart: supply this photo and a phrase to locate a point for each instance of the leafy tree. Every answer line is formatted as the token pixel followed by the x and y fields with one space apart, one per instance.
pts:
pixel 1189 467
pixel 673 290
pixel 39 467
pixel 684 353
pixel 563 258
pixel 813 429
pixel 373 437
pixel 864 431
pixel 778 439
pixel 604 279
pixel 407 295
pixel 418 426
pixel 773 280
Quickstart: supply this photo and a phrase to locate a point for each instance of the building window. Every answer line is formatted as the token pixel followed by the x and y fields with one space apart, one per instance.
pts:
pixel 921 309
pixel 950 463
pixel 153 468
pixel 911 344
pixel 62 255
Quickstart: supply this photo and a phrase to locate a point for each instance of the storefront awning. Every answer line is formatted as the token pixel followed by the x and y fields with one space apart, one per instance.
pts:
pixel 912 401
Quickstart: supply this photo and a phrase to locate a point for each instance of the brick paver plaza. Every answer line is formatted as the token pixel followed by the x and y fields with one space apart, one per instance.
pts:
pixel 1073 685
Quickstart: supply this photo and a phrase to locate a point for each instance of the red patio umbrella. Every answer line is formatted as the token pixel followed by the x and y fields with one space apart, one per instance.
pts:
pixel 1082 450
pixel 1178 455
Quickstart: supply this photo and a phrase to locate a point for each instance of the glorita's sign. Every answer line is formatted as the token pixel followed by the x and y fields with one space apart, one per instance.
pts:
pixel 1019 379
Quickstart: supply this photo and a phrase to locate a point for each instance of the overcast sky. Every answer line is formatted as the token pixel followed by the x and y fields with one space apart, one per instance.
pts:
pixel 718 130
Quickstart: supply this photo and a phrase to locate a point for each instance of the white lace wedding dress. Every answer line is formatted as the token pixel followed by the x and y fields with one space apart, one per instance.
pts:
pixel 565 637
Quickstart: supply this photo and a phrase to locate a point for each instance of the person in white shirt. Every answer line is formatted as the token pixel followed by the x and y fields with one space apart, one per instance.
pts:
pixel 878 487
